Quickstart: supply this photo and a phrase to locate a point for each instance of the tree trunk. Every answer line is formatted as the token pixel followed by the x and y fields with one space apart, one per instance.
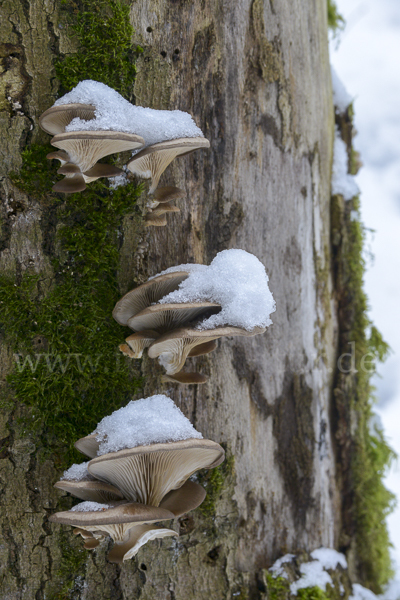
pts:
pixel 255 76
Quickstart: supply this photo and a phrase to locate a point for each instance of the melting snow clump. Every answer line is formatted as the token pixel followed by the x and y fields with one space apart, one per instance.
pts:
pixel 77 473
pixel 362 593
pixel 115 113
pixel 342 182
pixel 118 181
pixel 237 281
pixel 277 568
pixel 153 420
pixel 341 97
pixel 89 507
pixel 314 574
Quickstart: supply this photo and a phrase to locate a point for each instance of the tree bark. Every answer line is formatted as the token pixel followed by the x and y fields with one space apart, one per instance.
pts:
pixel 255 76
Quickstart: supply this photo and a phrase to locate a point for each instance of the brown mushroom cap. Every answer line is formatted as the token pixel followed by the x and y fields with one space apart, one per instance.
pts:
pixel 147 473
pixel 85 148
pixel 55 119
pixel 163 208
pixel 102 170
pixel 68 169
pixel 204 348
pixel 176 345
pixel 184 499
pixel 168 193
pixel 70 185
pixel 185 378
pixel 137 342
pixel 92 491
pixel 91 544
pixel 152 161
pixel 58 155
pixel 164 317
pixel 155 220
pixel 83 533
pixel 138 536
pixel 146 294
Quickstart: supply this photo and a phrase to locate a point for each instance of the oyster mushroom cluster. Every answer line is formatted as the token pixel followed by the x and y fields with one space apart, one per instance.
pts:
pixel 93 121
pixel 141 459
pixel 181 312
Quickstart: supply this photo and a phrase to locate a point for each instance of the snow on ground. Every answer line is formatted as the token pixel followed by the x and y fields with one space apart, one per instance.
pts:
pixel 142 422
pixel 342 182
pixel 115 113
pixel 277 568
pixel 89 507
pixel 77 473
pixel 237 281
pixel 314 573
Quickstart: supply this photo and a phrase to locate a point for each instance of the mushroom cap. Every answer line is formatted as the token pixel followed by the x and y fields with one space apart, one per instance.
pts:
pixel 58 155
pixel 165 207
pixel 204 348
pixel 152 161
pixel 68 169
pixel 83 533
pixel 91 544
pixel 186 498
pixel 176 345
pixel 85 148
pixel 70 185
pixel 168 193
pixel 138 535
pixel 137 342
pixel 155 220
pixel 120 513
pixel 146 294
pixel 92 491
pixel 55 119
pixel 88 445
pixel 147 473
pixel 164 317
pixel 185 378
pixel 102 170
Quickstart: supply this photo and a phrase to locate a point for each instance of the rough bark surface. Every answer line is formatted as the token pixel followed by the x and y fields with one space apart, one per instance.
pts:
pixel 255 75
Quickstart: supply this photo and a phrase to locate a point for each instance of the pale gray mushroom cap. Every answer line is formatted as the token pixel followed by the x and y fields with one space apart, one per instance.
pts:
pixel 55 119
pixel 91 491
pixel 146 294
pixel 164 317
pixel 152 161
pixel 88 445
pixel 85 148
pixel 137 537
pixel 147 473
pixel 174 347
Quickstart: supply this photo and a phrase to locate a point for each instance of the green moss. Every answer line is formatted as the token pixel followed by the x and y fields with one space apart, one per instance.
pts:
pixel 214 481
pixel 370 454
pixel 336 22
pixel 68 367
pixel 104 35
pixel 278 588
pixel 37 174
pixel 312 593
pixel 70 575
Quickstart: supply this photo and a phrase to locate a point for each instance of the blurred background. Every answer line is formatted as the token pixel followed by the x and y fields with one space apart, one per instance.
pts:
pixel 366 57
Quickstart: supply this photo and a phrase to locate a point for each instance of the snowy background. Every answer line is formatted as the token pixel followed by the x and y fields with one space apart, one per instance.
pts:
pixel 367 61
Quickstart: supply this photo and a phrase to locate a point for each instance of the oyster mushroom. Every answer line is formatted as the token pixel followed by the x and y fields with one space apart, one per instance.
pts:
pixel 152 161
pixel 164 317
pixel 137 342
pixel 147 473
pixel 146 294
pixel 54 120
pixel 155 220
pixel 174 347
pixel 92 491
pixel 185 378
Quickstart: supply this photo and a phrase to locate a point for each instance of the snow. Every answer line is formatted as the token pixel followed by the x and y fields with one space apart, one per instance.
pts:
pixel 142 422
pixel 362 593
pixel 314 574
pixel 341 97
pixel 77 473
pixel 118 181
pixel 342 182
pixel 277 568
pixel 115 113
pixel 237 281
pixel 89 507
